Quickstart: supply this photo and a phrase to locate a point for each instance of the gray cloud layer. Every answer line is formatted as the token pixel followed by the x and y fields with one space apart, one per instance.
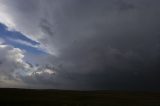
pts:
pixel 94 44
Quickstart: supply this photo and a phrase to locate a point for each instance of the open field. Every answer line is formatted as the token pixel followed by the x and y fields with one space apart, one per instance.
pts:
pixel 24 97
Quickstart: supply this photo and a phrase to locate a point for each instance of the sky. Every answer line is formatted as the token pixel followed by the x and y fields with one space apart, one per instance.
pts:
pixel 80 44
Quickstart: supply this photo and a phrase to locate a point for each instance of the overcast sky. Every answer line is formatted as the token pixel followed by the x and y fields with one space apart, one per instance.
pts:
pixel 80 44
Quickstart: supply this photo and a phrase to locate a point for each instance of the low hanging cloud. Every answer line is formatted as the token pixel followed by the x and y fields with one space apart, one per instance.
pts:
pixel 104 44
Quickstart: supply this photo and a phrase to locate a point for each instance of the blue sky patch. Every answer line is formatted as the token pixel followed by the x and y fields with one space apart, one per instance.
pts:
pixel 10 38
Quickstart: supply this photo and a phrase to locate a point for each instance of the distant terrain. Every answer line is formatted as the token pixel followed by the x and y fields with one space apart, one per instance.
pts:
pixel 28 97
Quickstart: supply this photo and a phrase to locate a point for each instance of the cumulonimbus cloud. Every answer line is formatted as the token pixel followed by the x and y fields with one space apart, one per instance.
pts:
pixel 13 68
pixel 94 44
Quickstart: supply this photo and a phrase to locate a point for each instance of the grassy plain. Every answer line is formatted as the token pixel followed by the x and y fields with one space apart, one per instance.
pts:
pixel 28 97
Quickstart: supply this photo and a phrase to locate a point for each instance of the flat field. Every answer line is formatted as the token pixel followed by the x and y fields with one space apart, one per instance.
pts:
pixel 28 97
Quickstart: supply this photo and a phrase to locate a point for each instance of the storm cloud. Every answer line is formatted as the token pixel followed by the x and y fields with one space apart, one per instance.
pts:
pixel 92 44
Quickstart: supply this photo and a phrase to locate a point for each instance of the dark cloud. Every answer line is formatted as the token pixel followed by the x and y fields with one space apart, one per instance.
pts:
pixel 104 44
pixel 46 27
pixel 122 5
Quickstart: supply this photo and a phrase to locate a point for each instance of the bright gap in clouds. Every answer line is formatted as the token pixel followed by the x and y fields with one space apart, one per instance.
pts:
pixel 16 64
pixel 18 40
